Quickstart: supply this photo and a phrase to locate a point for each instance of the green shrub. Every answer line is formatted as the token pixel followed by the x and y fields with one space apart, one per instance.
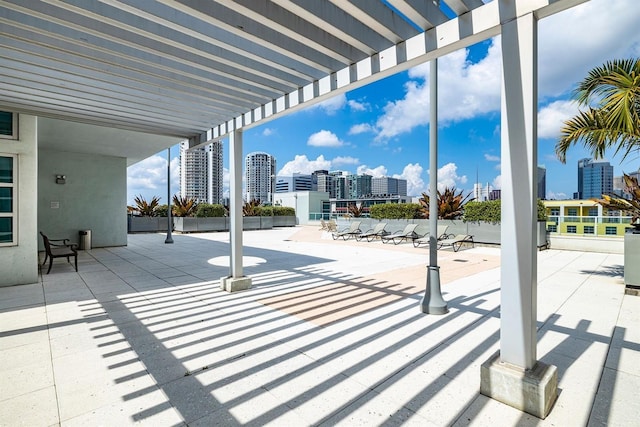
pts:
pixel 283 211
pixel 489 211
pixel 395 211
pixel 208 210
pixel 264 211
pixel 161 210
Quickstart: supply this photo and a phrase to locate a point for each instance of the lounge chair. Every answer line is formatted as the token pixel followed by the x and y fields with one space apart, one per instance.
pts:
pixel 409 232
pixel 442 234
pixel 352 231
pixel 456 241
pixel 59 248
pixel 323 225
pixel 332 226
pixel 374 232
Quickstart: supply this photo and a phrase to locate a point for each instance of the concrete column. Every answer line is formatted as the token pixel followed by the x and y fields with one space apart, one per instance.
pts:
pixel 235 281
pixel 514 376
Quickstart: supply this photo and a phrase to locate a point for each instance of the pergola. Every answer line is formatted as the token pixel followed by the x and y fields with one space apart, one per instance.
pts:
pixel 204 69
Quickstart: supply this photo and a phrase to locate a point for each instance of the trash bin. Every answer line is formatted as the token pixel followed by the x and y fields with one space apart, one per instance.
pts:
pixel 85 240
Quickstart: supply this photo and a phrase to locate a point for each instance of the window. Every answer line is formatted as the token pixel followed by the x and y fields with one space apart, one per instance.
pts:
pixel 572 211
pixel 610 231
pixel 8 125
pixel 555 212
pixel 8 205
pixel 593 211
pixel 571 229
pixel 552 228
pixel 589 229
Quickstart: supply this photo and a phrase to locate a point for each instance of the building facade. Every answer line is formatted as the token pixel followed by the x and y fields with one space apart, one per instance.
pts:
pixel 295 182
pixel 201 172
pixel 388 186
pixel 260 177
pixel 595 178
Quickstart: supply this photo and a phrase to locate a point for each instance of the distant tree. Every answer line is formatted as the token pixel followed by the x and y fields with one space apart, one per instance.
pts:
pixel 145 208
pixel 615 119
pixel 629 207
pixel 450 204
pixel 184 206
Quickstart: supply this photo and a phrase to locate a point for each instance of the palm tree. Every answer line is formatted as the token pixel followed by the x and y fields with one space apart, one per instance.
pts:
pixel 615 120
pixel 146 208
pixel 251 208
pixel 630 207
pixel 184 206
pixel 355 210
pixel 450 204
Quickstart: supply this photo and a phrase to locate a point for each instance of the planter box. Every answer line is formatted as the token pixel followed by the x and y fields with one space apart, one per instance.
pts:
pixel 193 224
pixel 146 224
pixel 284 221
pixel 631 264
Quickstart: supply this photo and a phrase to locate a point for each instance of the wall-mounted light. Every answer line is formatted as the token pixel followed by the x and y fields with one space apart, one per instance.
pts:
pixel 61 179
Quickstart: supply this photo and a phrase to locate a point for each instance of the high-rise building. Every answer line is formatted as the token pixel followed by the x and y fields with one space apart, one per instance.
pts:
pixel 260 177
pixel 295 182
pixel 389 186
pixel 325 183
pixel 359 185
pixel 201 172
pixel 595 178
pixel 542 182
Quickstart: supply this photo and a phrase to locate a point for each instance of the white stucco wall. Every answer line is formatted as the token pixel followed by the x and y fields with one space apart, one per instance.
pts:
pixel 304 202
pixel 94 197
pixel 19 264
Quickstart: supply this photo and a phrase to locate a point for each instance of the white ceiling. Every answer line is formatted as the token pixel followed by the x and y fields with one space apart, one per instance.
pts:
pixel 200 68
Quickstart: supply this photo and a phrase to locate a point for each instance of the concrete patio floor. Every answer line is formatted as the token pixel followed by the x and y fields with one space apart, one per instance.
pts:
pixel 330 334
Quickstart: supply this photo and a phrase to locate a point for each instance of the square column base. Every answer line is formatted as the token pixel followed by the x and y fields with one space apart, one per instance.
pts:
pixel 233 284
pixel 532 391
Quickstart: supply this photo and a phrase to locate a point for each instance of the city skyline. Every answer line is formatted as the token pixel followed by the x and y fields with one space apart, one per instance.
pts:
pixel 382 129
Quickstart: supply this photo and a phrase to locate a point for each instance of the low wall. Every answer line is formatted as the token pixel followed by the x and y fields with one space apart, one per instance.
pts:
pixel 611 245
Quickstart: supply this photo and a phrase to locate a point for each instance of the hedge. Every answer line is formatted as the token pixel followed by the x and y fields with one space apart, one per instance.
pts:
pixel 490 211
pixel 395 211
pixel 210 210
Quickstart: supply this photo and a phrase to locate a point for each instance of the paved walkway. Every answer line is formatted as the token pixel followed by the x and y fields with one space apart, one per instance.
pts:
pixel 330 334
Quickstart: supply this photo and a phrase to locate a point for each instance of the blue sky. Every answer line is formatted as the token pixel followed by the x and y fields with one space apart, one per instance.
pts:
pixel 382 129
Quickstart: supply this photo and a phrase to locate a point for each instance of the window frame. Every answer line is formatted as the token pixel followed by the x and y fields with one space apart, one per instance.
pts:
pixel 572 229
pixel 14 127
pixel 14 200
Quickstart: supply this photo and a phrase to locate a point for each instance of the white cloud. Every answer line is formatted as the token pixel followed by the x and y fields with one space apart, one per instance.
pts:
pixel 360 128
pixel 149 178
pixel 467 90
pixel 268 132
pixel 332 105
pixel 551 118
pixel 226 179
pixel 301 164
pixel 491 158
pixel 324 138
pixel 556 196
pixel 344 160
pixel 574 41
pixel 497 182
pixel 377 172
pixel 413 174
pixel 357 106
pixel 448 177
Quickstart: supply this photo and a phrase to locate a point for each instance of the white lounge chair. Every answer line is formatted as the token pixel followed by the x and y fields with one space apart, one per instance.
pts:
pixel 347 233
pixel 409 232
pixel 374 232
pixel 456 241
pixel 442 234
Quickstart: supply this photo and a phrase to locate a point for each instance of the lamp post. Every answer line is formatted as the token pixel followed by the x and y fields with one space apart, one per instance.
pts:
pixel 169 239
pixel 433 302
